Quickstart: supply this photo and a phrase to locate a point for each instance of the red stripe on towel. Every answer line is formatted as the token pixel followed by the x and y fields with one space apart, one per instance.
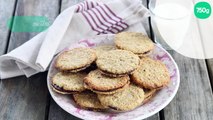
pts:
pixel 116 15
pixel 102 22
pixel 98 32
pixel 101 18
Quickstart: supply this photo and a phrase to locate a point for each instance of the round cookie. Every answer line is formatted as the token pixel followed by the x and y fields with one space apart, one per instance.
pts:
pixel 88 100
pixel 117 63
pixel 134 42
pixel 67 83
pixel 149 95
pixel 75 60
pixel 103 48
pixel 110 91
pixel 126 100
pixel 151 74
pixel 99 82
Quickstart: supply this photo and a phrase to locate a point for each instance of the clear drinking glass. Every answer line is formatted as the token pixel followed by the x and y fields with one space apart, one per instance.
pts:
pixel 170 21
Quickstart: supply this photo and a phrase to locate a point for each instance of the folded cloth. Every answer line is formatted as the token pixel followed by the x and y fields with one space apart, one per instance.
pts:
pixel 89 18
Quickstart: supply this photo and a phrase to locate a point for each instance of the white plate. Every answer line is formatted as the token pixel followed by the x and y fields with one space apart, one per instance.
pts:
pixel 160 100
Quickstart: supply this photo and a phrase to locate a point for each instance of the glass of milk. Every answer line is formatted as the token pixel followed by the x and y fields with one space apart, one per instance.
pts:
pixel 170 21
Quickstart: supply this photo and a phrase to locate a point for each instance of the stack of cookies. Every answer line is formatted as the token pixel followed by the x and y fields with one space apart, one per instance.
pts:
pixel 120 77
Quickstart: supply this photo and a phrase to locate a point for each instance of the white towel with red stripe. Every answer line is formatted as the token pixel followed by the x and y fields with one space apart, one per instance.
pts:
pixel 89 18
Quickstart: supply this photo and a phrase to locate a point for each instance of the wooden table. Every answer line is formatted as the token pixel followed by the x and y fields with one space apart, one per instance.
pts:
pixel 24 98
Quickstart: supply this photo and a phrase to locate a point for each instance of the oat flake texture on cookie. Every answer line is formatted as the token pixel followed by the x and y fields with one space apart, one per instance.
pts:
pixel 117 62
pixel 69 60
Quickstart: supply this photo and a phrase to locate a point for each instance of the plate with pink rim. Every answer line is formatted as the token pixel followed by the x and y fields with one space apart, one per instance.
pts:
pixel 162 98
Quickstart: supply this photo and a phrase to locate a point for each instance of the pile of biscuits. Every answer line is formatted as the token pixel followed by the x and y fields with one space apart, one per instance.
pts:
pixel 120 77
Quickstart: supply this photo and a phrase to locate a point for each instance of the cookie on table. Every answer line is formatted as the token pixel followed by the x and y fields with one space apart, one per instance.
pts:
pixel 126 100
pixel 135 42
pixel 67 83
pixel 151 74
pixel 75 60
pixel 149 94
pixel 117 63
pixel 98 82
pixel 103 48
pixel 88 100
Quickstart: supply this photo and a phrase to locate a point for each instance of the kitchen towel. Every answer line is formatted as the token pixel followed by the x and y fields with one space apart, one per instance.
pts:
pixel 89 18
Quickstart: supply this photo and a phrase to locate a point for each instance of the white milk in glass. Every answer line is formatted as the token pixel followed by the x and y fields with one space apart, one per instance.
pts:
pixel 170 23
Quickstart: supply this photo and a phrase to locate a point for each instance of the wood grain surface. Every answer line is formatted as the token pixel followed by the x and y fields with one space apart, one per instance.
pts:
pixel 24 98
pixel 194 100
pixel 210 70
pixel 6 12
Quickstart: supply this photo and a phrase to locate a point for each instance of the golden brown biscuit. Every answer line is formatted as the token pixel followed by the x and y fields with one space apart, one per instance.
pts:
pixel 67 83
pixel 134 42
pixel 103 48
pixel 110 91
pixel 126 100
pixel 75 60
pixel 117 63
pixel 99 82
pixel 88 100
pixel 151 74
